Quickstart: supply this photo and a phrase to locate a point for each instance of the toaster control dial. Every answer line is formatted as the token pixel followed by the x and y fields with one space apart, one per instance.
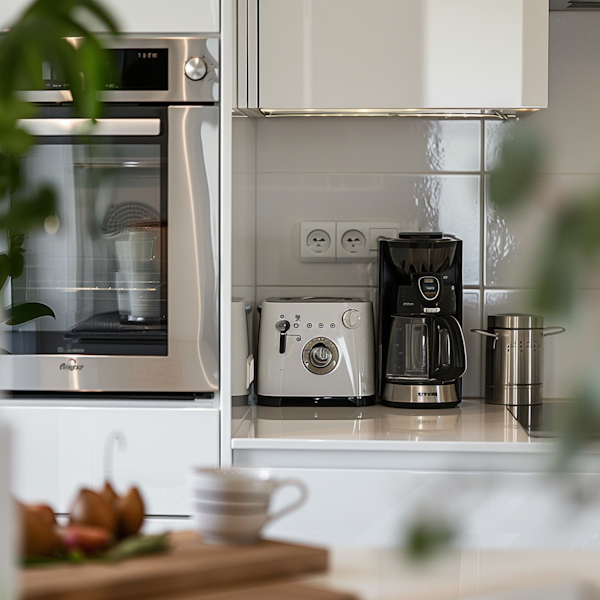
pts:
pixel 282 326
pixel 351 318
pixel 320 356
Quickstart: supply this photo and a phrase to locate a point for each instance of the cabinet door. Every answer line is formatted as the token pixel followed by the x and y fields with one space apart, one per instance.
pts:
pixel 490 510
pixel 57 450
pixel 402 54
pixel 144 16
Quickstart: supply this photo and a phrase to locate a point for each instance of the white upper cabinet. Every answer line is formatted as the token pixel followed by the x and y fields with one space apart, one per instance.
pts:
pixel 393 54
pixel 144 16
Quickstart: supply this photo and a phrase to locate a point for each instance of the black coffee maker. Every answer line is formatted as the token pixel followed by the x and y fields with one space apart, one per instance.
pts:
pixel 421 348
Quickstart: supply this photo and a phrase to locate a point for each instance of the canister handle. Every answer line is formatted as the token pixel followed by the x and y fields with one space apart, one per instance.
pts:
pixel 484 332
pixel 494 335
pixel 555 330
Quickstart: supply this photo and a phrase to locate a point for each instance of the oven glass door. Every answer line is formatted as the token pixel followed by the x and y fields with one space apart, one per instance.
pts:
pixel 103 271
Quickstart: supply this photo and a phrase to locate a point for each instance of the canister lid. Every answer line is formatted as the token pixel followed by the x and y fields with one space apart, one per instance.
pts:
pixel 515 321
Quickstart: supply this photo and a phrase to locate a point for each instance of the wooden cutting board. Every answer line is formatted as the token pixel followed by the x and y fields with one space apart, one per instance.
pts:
pixel 287 590
pixel 189 567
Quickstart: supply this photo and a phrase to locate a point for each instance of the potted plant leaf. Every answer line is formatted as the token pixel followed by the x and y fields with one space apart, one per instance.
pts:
pixel 42 34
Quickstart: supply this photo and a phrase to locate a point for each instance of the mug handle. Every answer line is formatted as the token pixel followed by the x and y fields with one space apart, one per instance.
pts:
pixel 291 507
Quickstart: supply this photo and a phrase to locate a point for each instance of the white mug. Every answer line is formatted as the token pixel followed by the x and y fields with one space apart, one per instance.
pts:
pixel 232 506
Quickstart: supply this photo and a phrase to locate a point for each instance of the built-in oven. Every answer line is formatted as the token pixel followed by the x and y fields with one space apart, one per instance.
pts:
pixel 128 273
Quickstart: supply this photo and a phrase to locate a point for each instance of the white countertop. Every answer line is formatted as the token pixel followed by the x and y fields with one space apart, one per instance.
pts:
pixel 470 423
pixel 385 574
pixel 471 430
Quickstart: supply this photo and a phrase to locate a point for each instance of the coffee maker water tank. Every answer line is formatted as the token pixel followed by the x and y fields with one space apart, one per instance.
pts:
pixel 421 348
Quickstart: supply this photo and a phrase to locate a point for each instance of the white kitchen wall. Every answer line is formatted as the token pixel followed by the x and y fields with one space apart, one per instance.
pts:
pixel 427 175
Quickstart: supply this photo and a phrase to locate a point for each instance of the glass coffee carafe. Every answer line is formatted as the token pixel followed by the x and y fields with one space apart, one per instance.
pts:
pixel 425 349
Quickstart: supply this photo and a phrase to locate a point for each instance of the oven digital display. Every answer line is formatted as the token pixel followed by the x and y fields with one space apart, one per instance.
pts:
pixel 141 69
pixel 145 69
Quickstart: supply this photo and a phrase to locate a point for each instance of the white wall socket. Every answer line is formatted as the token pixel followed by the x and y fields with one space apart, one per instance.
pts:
pixel 344 241
pixel 357 241
pixel 317 241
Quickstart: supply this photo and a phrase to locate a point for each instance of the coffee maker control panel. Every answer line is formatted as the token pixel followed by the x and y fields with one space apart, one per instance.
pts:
pixel 429 288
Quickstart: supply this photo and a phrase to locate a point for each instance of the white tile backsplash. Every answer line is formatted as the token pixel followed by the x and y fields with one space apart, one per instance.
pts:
pixel 244 144
pixel 263 292
pixel 472 380
pixel 448 203
pixel 244 229
pixel 427 175
pixel 515 240
pixel 367 145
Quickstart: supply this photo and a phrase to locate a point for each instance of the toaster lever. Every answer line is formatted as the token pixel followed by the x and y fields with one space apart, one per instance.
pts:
pixel 282 327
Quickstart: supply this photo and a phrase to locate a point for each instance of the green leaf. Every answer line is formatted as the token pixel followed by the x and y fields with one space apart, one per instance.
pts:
pixel 28 213
pixel 570 250
pixel 4 269
pixel 25 312
pixel 518 170
pixel 579 425
pixel 428 537
pixel 15 254
pixel 136 545
pixel 38 35
pixel 10 173
pixel 17 263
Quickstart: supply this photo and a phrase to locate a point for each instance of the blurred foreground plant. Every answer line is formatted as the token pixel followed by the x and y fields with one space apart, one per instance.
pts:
pixel 571 246
pixel 39 36
pixel 568 256
pixel 426 538
pixel 569 253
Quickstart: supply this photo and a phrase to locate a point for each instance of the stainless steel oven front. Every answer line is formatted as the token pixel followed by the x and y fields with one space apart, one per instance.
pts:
pixel 129 272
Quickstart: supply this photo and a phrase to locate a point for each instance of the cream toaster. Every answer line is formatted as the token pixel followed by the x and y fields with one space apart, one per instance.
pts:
pixel 316 351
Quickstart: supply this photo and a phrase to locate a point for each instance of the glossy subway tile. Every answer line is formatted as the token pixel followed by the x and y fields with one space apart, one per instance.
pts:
pixel 244 229
pixel 448 203
pixel 515 239
pixel 244 145
pixel 367 145
pixel 472 380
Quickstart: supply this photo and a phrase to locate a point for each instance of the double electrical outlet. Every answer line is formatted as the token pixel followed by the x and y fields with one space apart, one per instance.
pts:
pixel 343 241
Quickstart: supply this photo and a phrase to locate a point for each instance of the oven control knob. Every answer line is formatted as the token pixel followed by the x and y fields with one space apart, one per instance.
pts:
pixel 351 318
pixel 195 68
pixel 320 356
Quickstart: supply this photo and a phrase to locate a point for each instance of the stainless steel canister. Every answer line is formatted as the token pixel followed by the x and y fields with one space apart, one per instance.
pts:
pixel 514 358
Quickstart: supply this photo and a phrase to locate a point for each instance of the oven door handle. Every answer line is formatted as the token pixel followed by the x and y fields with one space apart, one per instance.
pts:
pixel 104 127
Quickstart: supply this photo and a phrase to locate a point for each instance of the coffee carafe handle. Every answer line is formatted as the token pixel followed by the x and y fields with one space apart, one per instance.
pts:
pixel 458 357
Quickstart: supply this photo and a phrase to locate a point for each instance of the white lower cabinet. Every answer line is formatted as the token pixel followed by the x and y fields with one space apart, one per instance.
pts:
pixel 375 508
pixel 57 450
